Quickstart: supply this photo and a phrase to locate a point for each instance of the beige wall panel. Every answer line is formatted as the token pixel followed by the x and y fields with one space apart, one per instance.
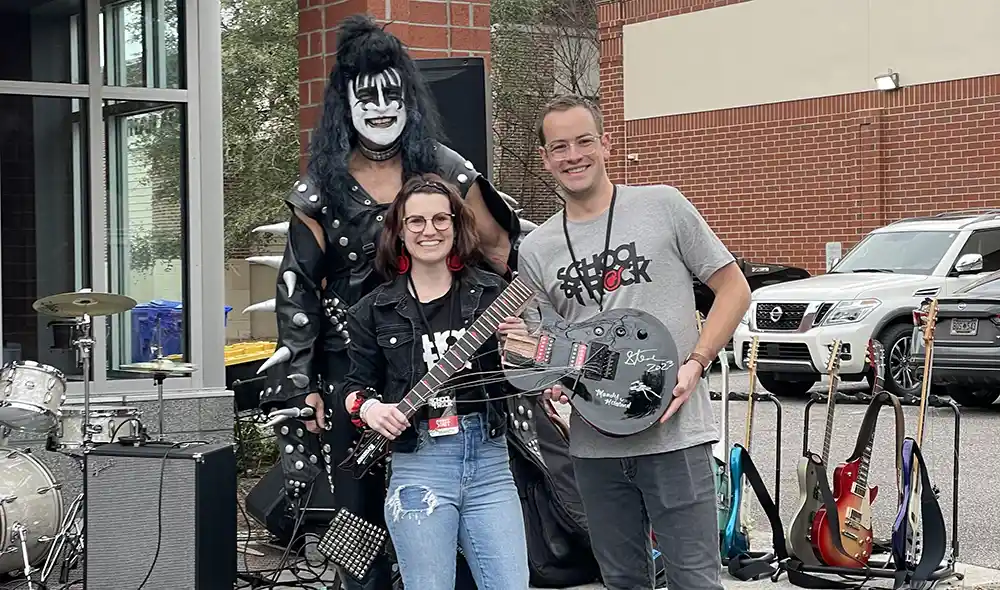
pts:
pixel 769 51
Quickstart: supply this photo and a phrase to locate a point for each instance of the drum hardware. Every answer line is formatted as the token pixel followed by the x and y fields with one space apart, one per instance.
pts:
pixel 81 306
pixel 160 369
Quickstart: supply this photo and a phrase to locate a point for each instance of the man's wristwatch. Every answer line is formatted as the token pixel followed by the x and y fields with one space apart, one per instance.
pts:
pixel 701 360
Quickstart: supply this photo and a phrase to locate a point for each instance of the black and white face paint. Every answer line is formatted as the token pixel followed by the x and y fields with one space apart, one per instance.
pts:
pixel 377 107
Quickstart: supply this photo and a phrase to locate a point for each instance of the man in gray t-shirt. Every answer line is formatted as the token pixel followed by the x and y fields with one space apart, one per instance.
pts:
pixel 637 247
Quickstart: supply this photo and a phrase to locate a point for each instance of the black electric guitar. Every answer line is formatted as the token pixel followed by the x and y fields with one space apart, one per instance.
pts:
pixel 374 446
pixel 618 368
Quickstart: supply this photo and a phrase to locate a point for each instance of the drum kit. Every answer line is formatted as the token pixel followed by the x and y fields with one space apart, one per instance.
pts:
pixel 35 527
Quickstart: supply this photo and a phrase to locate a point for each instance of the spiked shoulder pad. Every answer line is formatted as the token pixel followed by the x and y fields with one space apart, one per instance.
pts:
pixel 306 197
pixel 454 168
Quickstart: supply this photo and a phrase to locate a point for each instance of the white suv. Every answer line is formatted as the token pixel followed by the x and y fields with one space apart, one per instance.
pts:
pixel 871 292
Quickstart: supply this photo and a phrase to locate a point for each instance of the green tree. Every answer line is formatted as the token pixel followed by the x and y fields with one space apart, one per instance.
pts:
pixel 260 109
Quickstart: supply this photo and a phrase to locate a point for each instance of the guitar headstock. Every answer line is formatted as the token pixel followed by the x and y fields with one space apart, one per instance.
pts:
pixel 930 322
pixel 876 357
pixel 833 364
pixel 752 354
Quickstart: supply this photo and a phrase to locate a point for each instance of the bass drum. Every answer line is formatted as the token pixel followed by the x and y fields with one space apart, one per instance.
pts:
pixel 30 498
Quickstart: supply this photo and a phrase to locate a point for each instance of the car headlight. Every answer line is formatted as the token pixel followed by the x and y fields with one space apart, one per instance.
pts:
pixel 745 320
pixel 848 312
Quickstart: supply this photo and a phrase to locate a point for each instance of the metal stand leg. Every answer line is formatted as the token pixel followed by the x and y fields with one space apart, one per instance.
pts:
pixel 85 343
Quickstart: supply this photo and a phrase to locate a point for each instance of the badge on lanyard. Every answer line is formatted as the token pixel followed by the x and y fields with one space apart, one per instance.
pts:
pixel 442 419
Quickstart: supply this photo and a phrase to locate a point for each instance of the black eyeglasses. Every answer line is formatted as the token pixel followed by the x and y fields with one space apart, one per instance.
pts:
pixel 417 223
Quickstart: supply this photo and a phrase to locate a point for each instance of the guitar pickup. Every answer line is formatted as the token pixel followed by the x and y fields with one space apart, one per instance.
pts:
pixel 602 363
pixel 543 354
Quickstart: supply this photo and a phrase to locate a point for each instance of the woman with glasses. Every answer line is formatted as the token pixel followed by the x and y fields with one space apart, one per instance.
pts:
pixel 450 481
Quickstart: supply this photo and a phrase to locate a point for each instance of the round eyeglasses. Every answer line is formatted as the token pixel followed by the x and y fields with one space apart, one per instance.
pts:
pixel 417 223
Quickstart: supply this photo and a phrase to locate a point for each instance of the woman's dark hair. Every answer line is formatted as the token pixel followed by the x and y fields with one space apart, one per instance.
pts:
pixel 466 244
pixel 363 47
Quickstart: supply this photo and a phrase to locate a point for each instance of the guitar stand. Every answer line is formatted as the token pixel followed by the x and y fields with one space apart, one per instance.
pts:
pixel 759 556
pixel 944 571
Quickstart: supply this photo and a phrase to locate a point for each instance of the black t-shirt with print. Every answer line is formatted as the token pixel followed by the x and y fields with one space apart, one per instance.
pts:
pixel 445 319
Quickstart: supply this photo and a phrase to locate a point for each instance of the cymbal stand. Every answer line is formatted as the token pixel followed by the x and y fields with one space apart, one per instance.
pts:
pixel 85 344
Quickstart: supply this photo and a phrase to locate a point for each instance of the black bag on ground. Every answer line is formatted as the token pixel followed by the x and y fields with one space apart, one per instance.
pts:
pixel 559 552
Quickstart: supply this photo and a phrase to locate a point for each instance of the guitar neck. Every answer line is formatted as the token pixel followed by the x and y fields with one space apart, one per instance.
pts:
pixel 834 380
pixel 750 404
pixel 924 390
pixel 509 303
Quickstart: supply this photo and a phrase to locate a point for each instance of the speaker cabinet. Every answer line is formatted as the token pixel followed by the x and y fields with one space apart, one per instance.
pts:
pixel 176 506
pixel 458 85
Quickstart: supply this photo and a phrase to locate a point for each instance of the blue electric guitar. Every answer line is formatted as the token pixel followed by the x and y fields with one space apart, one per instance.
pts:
pixel 736 537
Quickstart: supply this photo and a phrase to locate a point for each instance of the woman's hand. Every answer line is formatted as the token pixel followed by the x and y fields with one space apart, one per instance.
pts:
pixel 386 419
pixel 511 325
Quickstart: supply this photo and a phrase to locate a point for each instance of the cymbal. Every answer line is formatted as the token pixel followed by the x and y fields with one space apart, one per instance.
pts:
pixel 162 365
pixel 84 302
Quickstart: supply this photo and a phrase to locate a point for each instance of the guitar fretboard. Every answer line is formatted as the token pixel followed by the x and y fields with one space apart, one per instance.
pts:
pixel 509 303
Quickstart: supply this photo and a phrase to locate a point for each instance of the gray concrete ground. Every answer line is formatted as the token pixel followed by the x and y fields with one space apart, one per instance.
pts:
pixel 979 505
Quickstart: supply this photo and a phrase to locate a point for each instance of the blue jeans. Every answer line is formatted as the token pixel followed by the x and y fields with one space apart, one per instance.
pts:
pixel 457 490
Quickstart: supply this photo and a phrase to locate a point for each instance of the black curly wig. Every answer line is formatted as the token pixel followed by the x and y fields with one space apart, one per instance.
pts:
pixel 363 47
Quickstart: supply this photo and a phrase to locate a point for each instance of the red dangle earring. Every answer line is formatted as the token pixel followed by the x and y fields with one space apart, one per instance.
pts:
pixel 454 263
pixel 403 261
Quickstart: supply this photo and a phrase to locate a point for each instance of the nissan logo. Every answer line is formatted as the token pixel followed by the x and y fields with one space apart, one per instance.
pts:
pixel 776 313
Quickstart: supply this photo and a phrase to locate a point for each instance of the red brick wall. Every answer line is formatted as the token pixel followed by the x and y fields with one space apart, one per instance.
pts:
pixel 778 181
pixel 428 28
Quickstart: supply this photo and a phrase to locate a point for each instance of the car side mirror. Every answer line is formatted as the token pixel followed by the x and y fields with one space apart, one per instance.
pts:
pixel 969 263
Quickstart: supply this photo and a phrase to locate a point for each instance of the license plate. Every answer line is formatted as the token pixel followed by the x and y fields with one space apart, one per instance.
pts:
pixel 964 327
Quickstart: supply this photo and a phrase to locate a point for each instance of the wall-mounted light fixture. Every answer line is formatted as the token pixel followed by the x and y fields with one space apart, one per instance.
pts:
pixel 888 81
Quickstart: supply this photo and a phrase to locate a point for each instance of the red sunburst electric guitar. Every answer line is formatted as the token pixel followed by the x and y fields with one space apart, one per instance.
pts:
pixel 852 496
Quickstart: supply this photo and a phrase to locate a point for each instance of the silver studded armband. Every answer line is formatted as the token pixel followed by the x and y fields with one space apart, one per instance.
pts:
pixel 336 311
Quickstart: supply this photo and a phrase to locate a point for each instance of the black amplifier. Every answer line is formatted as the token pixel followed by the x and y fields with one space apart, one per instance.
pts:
pixel 162 512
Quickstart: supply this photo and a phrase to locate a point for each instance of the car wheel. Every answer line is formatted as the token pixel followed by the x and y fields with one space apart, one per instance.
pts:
pixel 973 398
pixel 782 388
pixel 901 379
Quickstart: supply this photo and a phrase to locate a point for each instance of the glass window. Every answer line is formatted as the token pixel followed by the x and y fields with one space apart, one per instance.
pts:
pixel 905 252
pixel 142 43
pixel 987 243
pixel 146 257
pixel 44 223
pixel 42 41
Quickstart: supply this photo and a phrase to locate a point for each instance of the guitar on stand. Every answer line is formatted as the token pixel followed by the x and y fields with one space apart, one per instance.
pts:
pixel 801 534
pixel 736 535
pixel 719 450
pixel 918 533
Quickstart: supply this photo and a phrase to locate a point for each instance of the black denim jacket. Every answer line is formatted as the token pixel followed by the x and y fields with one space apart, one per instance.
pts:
pixel 386 353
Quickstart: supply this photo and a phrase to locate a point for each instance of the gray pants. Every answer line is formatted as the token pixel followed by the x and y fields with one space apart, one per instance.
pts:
pixel 672 492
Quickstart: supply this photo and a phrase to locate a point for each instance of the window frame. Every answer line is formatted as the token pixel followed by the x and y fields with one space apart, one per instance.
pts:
pixel 200 102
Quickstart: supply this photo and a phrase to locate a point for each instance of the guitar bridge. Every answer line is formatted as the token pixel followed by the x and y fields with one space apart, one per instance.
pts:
pixel 602 363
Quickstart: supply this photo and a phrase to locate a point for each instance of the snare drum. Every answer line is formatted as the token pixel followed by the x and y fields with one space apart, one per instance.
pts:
pixel 32 395
pixel 31 498
pixel 110 423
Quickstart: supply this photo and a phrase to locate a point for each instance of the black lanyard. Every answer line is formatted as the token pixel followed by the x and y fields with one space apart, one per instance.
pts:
pixel 603 254
pixel 454 316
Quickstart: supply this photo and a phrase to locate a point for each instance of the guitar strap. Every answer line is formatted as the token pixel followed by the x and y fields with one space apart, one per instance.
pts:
pixel 934 538
pixel 867 431
pixel 748 568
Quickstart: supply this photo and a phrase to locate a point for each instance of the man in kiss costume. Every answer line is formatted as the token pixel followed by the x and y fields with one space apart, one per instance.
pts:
pixel 379 126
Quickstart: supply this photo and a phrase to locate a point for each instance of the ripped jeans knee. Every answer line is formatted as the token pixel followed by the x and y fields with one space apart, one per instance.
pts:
pixel 410 501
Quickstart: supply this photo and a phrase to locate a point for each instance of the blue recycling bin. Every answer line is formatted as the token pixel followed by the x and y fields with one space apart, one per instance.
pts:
pixel 164 316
